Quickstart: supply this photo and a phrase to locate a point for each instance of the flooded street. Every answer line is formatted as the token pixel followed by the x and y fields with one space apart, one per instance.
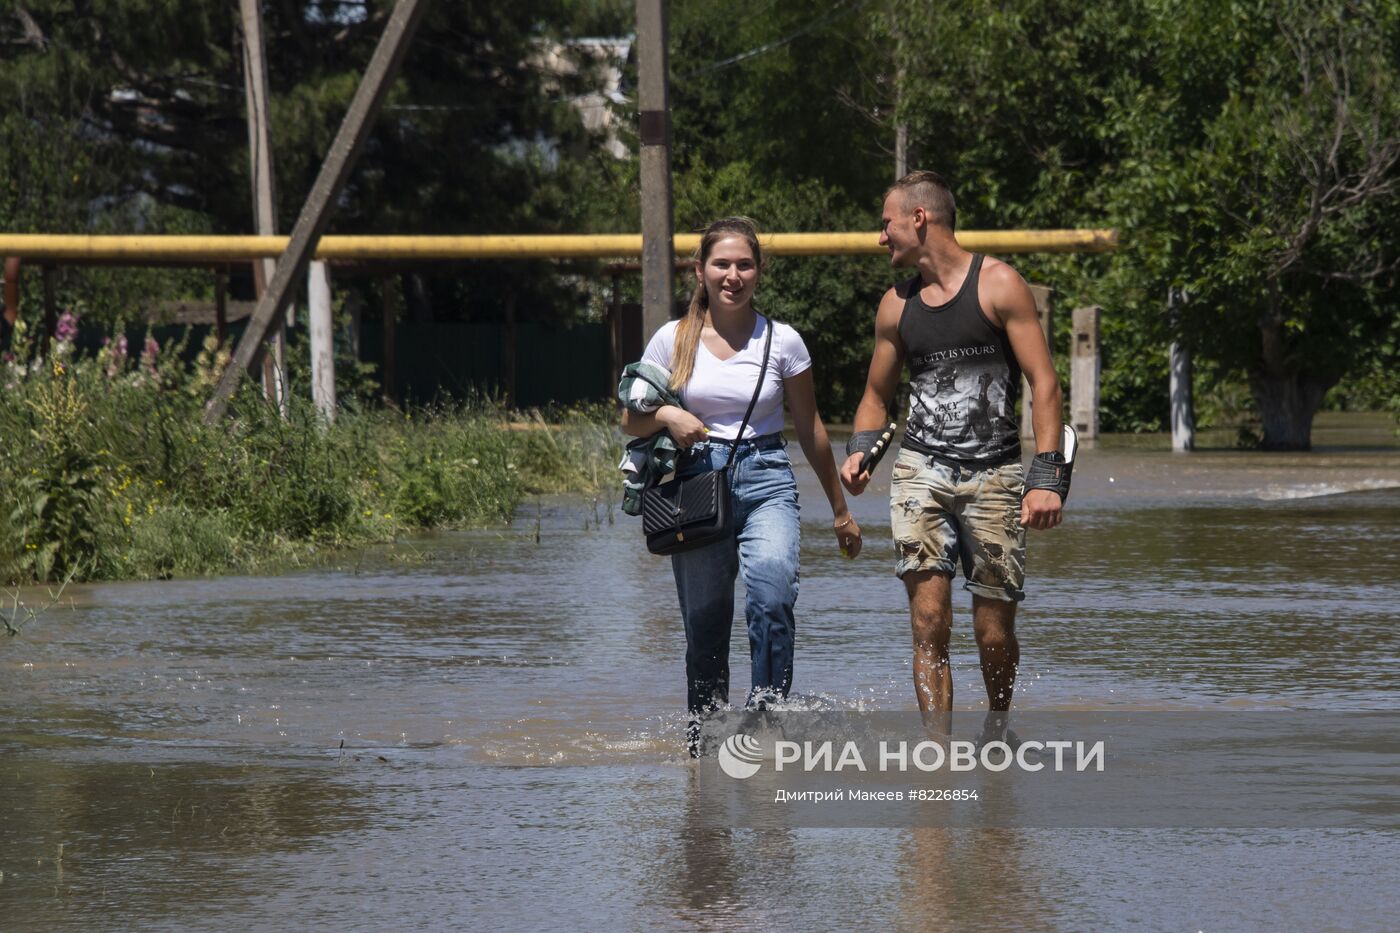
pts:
pixel 484 729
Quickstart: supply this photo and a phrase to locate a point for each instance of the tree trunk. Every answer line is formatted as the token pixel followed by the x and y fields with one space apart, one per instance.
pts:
pixel 1287 395
pixel 1287 404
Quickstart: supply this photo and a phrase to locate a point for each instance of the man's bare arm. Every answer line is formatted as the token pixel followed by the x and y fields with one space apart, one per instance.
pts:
pixel 1014 306
pixel 886 363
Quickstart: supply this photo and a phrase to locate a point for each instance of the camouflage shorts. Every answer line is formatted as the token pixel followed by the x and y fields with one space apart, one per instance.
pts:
pixel 941 514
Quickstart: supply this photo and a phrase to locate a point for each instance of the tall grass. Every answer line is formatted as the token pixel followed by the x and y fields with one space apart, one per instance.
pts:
pixel 108 470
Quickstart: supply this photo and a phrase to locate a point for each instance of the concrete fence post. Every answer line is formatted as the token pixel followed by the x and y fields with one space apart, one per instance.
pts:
pixel 1085 364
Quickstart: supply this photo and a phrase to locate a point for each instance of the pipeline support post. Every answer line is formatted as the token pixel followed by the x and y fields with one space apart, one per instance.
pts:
pixel 389 372
pixel 12 264
pixel 46 275
pixel 658 286
pixel 220 305
pixel 330 181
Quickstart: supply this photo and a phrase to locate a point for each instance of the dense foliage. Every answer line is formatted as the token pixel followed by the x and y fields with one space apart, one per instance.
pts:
pixel 1248 151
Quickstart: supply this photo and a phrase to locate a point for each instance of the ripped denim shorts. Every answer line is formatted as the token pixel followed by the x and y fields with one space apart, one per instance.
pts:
pixel 943 514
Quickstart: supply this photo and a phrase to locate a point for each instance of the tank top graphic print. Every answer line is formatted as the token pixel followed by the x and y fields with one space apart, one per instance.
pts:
pixel 964 381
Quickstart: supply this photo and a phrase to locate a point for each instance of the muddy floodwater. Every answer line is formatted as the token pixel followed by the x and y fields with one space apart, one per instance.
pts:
pixel 483 730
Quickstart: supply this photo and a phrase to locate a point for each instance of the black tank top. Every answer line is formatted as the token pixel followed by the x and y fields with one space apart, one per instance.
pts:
pixel 964 381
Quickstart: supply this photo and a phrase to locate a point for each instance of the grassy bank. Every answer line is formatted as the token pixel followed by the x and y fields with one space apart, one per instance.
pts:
pixel 108 472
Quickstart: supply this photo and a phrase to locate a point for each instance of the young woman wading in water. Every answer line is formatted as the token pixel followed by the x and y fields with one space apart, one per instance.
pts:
pixel 715 355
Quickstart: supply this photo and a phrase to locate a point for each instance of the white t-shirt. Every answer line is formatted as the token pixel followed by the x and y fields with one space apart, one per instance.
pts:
pixel 718 392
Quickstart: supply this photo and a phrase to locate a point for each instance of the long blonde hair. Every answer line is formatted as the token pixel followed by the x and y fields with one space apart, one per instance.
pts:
pixel 690 327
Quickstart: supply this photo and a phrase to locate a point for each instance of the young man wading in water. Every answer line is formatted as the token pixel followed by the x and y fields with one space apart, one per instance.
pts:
pixel 966 324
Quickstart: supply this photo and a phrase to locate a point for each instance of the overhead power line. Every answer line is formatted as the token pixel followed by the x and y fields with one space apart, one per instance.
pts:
pixel 840 11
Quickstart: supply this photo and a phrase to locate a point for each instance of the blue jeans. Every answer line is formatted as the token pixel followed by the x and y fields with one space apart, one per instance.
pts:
pixel 764 548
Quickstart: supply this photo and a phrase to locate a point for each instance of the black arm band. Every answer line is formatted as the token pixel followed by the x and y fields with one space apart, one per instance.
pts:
pixel 861 442
pixel 1049 471
pixel 1052 470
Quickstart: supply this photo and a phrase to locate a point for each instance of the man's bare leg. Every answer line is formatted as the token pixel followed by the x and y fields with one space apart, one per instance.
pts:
pixel 994 625
pixel 931 620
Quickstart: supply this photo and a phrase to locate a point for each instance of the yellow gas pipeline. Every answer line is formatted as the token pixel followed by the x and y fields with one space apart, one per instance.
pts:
pixel 193 249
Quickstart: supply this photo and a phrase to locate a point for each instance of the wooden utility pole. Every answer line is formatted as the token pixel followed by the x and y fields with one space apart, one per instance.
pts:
pixel 264 191
pixel 315 213
pixel 901 128
pixel 658 250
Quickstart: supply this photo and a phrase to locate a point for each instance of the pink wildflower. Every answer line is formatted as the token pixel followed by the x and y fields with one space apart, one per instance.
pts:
pixel 67 329
pixel 149 354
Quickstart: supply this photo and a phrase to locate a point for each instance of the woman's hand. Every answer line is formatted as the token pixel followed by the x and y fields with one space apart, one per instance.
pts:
pixel 847 535
pixel 811 434
pixel 685 428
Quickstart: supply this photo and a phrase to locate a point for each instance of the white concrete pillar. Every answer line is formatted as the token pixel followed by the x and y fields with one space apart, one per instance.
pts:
pixel 318 290
pixel 1183 410
pixel 1084 374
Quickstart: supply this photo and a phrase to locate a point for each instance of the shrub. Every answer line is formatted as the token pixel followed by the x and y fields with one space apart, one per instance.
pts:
pixel 112 472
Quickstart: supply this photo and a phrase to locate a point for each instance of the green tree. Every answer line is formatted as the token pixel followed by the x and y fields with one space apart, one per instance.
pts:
pixel 1298 273
pixel 782 112
pixel 1247 150
pixel 798 90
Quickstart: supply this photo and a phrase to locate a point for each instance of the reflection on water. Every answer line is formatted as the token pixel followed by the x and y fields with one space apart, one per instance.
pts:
pixel 492 735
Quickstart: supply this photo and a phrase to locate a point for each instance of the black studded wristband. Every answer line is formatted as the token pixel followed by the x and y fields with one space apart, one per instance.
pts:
pixel 861 442
pixel 1052 470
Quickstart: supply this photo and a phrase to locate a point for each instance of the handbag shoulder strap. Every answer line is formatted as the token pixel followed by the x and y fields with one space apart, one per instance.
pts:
pixel 762 373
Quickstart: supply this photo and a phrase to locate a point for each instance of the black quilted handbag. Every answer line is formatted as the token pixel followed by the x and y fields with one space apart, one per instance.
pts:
pixel 684 514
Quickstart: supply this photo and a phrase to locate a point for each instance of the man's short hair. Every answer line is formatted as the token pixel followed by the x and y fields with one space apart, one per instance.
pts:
pixel 930 191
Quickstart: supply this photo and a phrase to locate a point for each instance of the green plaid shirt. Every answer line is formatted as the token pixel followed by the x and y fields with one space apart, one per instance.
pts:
pixel 644 388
